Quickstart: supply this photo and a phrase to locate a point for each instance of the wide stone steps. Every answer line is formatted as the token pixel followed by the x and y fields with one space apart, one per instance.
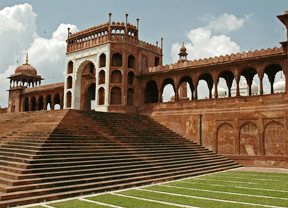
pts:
pixel 106 179
pixel 113 185
pixel 56 157
pixel 172 153
pixel 28 184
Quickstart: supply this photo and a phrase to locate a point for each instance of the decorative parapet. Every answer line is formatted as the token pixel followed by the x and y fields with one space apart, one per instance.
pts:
pixel 90 31
pixel 217 60
pixel 44 87
pixel 149 46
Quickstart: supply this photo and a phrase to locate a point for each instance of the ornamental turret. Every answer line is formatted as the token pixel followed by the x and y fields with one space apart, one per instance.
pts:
pixel 183 54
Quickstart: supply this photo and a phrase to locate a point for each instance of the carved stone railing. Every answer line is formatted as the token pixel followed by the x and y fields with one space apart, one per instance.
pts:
pixel 216 60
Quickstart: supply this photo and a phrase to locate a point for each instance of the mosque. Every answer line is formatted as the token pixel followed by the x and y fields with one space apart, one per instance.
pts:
pixel 109 69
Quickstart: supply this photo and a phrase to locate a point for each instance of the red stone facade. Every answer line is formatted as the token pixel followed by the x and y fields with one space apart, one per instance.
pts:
pixel 249 129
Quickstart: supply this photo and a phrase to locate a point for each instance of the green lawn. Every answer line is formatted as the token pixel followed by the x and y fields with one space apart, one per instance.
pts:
pixel 225 189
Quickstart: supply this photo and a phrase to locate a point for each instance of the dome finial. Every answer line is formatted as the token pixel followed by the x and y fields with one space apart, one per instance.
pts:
pixel 281 75
pixel 27 58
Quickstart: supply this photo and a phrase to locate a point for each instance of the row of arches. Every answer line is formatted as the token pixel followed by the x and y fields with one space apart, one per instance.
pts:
pixel 116 78
pixel 26 82
pixel 155 92
pixel 42 102
pixel 88 37
pixel 122 31
pixel 115 97
pixel 116 62
pixel 250 141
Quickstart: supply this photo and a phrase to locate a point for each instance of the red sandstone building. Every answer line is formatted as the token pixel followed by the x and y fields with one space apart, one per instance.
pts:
pixel 109 69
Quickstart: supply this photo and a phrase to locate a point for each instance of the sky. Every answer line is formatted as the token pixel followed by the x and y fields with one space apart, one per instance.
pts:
pixel 208 29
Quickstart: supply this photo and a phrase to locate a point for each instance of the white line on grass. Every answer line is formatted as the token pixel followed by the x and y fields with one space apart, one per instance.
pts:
pixel 46 205
pixel 210 199
pixel 205 179
pixel 151 200
pixel 243 187
pixel 261 179
pixel 223 192
pixel 101 203
pixel 248 174
pixel 43 204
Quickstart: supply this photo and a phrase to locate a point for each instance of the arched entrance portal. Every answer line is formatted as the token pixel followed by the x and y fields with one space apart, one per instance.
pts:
pixel 90 97
pixel 86 79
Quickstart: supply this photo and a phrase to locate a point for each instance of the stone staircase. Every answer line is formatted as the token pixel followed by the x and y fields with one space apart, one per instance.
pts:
pixel 50 155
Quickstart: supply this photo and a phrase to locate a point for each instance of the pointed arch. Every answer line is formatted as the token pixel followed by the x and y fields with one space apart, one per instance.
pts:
pixel 228 76
pixel 101 96
pixel 275 139
pixel 151 92
pixel 102 60
pixel 33 104
pixel 40 103
pixel 271 70
pixel 249 139
pixel 209 81
pixel 101 77
pixel 164 90
pixel 26 104
pixel 226 141
pixel 116 60
pixel 69 82
pixel 130 97
pixel 130 79
pixel 184 81
pixel 70 67
pixel 68 99
pixel 116 77
pixel 131 62
pixel 116 96
pixel 57 101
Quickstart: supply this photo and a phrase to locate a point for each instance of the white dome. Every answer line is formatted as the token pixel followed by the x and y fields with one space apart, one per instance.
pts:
pixel 254 88
pixel 279 86
pixel 221 92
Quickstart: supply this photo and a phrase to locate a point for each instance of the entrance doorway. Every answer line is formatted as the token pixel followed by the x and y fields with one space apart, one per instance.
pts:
pixel 91 97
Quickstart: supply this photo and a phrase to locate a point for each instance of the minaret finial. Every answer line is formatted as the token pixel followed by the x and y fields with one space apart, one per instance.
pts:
pixel 27 58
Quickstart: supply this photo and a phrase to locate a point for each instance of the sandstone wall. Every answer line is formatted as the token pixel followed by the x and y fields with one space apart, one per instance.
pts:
pixel 251 130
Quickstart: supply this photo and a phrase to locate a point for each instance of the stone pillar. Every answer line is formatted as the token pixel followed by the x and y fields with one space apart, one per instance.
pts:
pixel 261 85
pixel 196 93
pixel 176 95
pixel 216 90
pixel 237 88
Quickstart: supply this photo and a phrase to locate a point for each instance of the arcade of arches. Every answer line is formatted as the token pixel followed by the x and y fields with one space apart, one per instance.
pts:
pixel 154 87
pixel 43 101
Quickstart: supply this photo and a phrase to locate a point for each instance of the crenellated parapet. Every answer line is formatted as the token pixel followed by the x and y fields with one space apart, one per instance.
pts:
pixel 218 60
pixel 114 32
pixel 149 46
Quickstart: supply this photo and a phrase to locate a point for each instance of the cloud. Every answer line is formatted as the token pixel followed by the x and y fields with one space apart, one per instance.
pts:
pixel 18 29
pixel 226 23
pixel 204 44
pixel 48 55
